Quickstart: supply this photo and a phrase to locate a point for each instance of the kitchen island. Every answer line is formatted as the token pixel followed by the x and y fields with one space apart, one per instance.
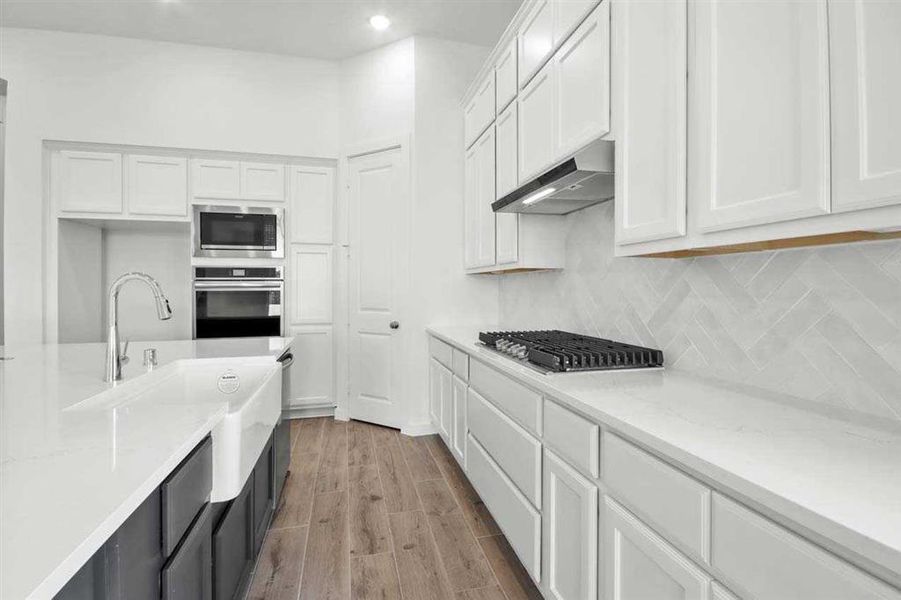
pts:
pixel 78 455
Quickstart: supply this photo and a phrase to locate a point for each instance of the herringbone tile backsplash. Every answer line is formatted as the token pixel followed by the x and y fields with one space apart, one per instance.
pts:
pixel 822 324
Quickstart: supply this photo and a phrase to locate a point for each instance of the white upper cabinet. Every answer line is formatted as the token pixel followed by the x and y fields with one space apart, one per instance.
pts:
pixel 649 106
pixel 506 177
pixel 87 182
pixel 865 58
pixel 583 81
pixel 537 116
pixel 639 564
pixel 215 179
pixel 311 284
pixel 759 148
pixel 263 181
pixel 312 204
pixel 568 14
pixel 157 185
pixel 479 113
pixel 479 191
pixel 535 39
pixel 505 82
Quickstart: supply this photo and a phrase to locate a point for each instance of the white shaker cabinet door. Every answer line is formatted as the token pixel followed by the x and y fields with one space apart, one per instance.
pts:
pixel 89 182
pixel 865 59
pixel 263 181
pixel 583 83
pixel 570 521
pixel 435 391
pixel 479 113
pixel 215 179
pixel 312 204
pixel 568 14
pixel 459 429
pixel 505 82
pixel 759 137
pixel 157 185
pixel 506 177
pixel 537 120
pixel 649 105
pixel 311 284
pixel 535 39
pixel 479 194
pixel 312 374
pixel 446 384
pixel 639 564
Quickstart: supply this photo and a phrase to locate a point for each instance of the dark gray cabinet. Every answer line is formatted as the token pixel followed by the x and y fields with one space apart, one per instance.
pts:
pixel 263 494
pixel 282 456
pixel 233 545
pixel 188 575
pixel 185 492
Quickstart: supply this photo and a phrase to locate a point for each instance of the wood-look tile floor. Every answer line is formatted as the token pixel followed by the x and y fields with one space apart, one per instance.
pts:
pixel 370 513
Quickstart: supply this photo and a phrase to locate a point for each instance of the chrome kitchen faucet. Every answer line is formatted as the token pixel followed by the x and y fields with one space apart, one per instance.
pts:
pixel 115 359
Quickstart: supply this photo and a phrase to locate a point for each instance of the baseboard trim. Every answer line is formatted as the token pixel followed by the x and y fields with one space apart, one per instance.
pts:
pixel 418 429
pixel 308 412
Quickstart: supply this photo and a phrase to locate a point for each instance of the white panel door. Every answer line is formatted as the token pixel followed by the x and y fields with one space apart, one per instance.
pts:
pixel 157 185
pixel 215 179
pixel 536 40
pixel 760 112
pixel 459 429
pixel 87 181
pixel 583 83
pixel 262 181
pixel 311 284
pixel 479 190
pixel 312 374
pixel 505 83
pixel 537 120
pixel 649 97
pixel 639 564
pixel 865 58
pixel 312 204
pixel 570 521
pixel 378 215
pixel 568 14
pixel 507 225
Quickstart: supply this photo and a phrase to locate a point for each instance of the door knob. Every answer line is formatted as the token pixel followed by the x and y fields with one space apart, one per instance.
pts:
pixel 394 325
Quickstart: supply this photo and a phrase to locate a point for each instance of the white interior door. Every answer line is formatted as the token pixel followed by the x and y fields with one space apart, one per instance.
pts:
pixel 377 268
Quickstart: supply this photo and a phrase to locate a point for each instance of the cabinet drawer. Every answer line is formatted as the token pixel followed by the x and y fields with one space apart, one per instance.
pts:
pixel 461 364
pixel 673 503
pixel 515 400
pixel 189 573
pixel 760 559
pixel 185 492
pixel 441 352
pixel 519 521
pixel 572 437
pixel 511 446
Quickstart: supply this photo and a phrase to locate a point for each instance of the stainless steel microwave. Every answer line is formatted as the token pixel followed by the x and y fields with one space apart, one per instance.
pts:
pixel 238 232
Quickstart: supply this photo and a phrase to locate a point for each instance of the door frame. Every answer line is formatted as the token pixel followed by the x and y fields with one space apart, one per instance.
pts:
pixel 341 300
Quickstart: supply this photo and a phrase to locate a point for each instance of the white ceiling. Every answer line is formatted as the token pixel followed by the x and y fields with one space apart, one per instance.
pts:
pixel 314 28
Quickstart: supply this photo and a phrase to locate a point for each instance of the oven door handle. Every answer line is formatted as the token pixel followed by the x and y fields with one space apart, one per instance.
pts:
pixel 209 286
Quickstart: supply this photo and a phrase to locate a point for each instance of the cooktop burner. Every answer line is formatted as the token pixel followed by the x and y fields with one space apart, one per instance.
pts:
pixel 556 350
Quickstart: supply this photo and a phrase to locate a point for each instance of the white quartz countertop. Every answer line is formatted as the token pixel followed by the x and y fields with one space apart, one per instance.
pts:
pixel 828 475
pixel 70 475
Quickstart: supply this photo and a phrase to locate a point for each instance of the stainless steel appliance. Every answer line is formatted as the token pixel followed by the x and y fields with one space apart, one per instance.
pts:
pixel 576 183
pixel 238 301
pixel 561 351
pixel 238 232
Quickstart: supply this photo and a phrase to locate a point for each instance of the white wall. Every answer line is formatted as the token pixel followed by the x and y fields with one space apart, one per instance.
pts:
pixel 90 88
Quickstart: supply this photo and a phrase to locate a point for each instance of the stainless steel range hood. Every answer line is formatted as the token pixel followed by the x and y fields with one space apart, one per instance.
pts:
pixel 576 183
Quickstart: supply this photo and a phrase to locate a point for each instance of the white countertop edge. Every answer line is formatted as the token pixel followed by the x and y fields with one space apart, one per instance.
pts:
pixel 852 545
pixel 61 575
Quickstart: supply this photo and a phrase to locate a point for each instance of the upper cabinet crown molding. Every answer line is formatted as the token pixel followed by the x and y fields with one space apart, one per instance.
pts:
pixel 759 148
pixel 87 182
pixel 865 51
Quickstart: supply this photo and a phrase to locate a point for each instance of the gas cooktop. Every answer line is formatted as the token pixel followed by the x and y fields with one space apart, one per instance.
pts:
pixel 560 351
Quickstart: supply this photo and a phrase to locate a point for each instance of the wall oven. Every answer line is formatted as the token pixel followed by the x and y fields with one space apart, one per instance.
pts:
pixel 238 232
pixel 238 301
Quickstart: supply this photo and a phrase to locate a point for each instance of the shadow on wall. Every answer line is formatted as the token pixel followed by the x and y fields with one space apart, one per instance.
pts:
pixel 823 324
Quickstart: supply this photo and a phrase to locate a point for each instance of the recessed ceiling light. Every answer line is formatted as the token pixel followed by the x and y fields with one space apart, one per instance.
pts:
pixel 379 22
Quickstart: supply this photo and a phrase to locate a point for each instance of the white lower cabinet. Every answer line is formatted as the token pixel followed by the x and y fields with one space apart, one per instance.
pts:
pixel 570 524
pixel 441 389
pixel 639 564
pixel 458 430
pixel 312 374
